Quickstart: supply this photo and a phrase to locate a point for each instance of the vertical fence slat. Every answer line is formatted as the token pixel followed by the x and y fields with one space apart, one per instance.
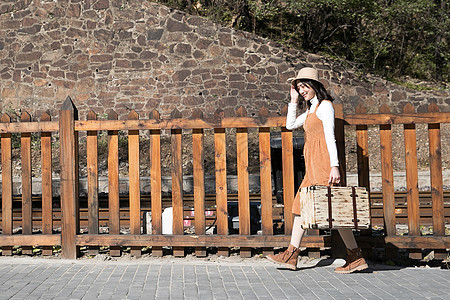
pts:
pixel 69 179
pixel 221 186
pixel 135 202
pixel 113 183
pixel 362 142
pixel 92 178
pixel 411 175
pixel 177 184
pixel 242 173
pixel 47 195
pixel 387 178
pixel 437 195
pixel 340 140
pixel 436 181
pixel 243 184
pixel 155 178
pixel 362 150
pixel 362 156
pixel 412 181
pixel 27 208
pixel 220 162
pixel 266 181
pixel 199 183
pixel 288 177
pixel 266 185
pixel 7 185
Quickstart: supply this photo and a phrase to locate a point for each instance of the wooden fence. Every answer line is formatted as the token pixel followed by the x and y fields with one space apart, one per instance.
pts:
pixel 70 238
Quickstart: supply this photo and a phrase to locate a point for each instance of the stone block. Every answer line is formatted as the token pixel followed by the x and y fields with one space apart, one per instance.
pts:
pixel 40 82
pixel 8 92
pixel 122 63
pixel 101 58
pixel 137 64
pixel 190 63
pixel 32 56
pixel 31 30
pixel 193 100
pixel 236 52
pixel 252 60
pixel 11 24
pixel 101 4
pixel 181 75
pixel 104 35
pixel 123 25
pixel 26 22
pixel 125 35
pixel 174 26
pixel 45 92
pixel 155 34
pixel 398 96
pixel 182 48
pixel 225 39
pixel 148 55
pixel 17 76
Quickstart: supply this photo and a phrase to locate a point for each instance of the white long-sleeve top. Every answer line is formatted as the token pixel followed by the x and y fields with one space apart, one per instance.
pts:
pixel 325 113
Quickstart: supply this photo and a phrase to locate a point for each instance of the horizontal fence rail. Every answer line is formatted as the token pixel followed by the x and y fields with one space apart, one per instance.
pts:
pixel 124 216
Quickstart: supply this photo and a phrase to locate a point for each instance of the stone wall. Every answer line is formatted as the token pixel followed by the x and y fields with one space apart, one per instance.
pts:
pixel 123 55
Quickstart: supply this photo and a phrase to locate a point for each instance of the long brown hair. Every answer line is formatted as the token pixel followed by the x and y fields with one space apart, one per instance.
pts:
pixel 317 86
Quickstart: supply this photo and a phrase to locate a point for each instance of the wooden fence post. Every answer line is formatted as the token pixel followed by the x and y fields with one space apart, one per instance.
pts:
pixel 27 210
pixel 339 129
pixel 113 184
pixel 243 184
pixel 362 142
pixel 177 183
pixel 7 185
pixel 338 249
pixel 155 182
pixel 199 182
pixel 437 195
pixel 69 178
pixel 92 176
pixel 221 182
pixel 412 181
pixel 47 196
pixel 135 196
pixel 387 172
pixel 287 150
pixel 265 179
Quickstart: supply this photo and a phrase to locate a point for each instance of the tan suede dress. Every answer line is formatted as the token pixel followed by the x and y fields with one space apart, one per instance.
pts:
pixel 317 158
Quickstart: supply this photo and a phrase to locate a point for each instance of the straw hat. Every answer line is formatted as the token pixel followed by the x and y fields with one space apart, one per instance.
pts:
pixel 306 73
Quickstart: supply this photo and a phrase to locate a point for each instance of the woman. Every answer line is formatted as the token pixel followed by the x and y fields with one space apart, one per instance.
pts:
pixel 321 161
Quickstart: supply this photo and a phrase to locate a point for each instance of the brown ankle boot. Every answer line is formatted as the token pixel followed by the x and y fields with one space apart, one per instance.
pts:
pixel 353 262
pixel 287 258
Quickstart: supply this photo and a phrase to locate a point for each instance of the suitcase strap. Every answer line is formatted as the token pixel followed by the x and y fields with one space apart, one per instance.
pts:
pixel 330 213
pixel 355 214
pixel 330 210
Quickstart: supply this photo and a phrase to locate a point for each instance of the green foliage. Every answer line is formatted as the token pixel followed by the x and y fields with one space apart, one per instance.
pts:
pixel 391 38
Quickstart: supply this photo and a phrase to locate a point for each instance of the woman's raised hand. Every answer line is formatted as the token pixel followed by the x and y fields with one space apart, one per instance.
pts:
pixel 294 95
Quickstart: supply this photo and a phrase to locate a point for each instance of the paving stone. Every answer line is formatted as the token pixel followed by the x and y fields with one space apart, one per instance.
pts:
pixel 39 279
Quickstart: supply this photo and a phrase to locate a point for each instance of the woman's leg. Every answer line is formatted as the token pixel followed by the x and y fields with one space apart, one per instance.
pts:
pixel 289 257
pixel 348 238
pixel 354 261
pixel 297 231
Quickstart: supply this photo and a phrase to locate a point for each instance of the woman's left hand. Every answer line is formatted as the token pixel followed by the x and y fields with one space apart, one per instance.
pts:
pixel 335 176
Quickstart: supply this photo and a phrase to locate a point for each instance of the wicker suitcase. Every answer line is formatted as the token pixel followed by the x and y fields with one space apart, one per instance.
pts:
pixel 325 207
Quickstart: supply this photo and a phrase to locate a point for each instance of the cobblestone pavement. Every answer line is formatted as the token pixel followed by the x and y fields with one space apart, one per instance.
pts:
pixel 38 278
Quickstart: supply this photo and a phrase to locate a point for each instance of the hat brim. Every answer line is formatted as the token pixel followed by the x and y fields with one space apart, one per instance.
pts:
pixel 292 79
